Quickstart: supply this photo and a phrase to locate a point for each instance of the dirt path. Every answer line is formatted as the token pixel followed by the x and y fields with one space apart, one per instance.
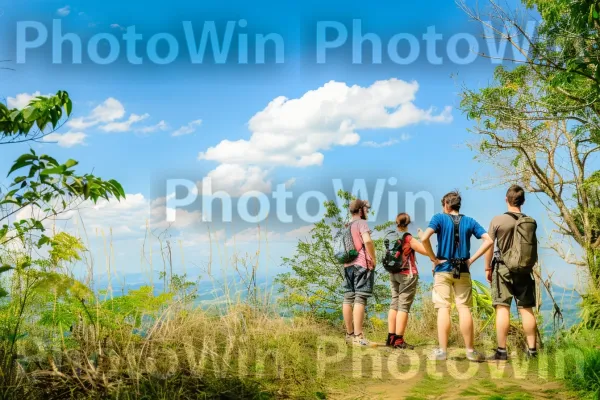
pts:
pixel 382 373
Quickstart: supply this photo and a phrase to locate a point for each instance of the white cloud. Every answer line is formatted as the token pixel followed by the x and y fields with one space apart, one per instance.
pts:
pixel 296 132
pixel 188 128
pixel 108 111
pixel 387 143
pixel 64 11
pixel 117 26
pixel 124 126
pixel 21 100
pixel 161 126
pixel 68 139
pixel 289 183
pixel 237 179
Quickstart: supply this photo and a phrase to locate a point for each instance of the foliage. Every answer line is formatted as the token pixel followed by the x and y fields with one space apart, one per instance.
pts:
pixel 315 285
pixel 584 378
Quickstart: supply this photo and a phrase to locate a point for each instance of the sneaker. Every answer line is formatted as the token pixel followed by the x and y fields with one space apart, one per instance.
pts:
pixel 531 354
pixel 475 356
pixel 438 355
pixel 349 338
pixel 498 356
pixel 390 340
pixel 360 340
pixel 399 343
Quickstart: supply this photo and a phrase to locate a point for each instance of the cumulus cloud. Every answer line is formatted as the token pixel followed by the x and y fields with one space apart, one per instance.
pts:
pixel 377 145
pixel 64 11
pixel 187 129
pixel 108 111
pixel 21 100
pixel 161 126
pixel 68 139
pixel 124 126
pixel 238 179
pixel 296 132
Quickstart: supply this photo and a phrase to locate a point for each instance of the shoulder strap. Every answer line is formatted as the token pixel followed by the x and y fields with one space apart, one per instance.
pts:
pixel 456 233
pixel 515 216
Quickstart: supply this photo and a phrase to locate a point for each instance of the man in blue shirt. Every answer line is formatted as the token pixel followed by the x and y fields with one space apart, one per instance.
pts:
pixel 452 278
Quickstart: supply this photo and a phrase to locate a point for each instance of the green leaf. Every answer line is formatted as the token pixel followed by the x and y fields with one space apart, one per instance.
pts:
pixel 71 163
pixel 5 268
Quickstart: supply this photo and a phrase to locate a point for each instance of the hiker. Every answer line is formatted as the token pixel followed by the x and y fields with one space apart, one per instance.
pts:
pixel 359 274
pixel 403 283
pixel 510 274
pixel 451 268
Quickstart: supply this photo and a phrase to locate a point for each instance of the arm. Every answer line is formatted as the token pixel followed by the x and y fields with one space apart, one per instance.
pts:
pixel 418 247
pixel 485 246
pixel 488 263
pixel 425 239
pixel 369 246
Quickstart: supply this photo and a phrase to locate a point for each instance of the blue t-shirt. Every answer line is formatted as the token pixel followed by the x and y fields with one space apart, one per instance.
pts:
pixel 443 226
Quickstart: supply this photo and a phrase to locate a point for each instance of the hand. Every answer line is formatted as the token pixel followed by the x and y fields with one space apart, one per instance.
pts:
pixel 469 262
pixel 438 262
pixel 488 275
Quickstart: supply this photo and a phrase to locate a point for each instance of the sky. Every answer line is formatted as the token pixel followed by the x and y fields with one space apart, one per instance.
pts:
pixel 311 109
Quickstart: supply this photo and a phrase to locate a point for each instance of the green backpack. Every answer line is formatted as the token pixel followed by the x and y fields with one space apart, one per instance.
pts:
pixel 522 255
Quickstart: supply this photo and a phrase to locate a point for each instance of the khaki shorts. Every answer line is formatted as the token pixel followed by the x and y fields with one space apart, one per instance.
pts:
pixel 506 285
pixel 404 288
pixel 446 290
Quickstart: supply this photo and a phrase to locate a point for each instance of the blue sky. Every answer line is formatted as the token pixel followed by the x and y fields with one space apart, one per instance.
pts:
pixel 180 114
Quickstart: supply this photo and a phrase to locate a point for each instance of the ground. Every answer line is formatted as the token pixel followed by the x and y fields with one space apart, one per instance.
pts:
pixel 381 373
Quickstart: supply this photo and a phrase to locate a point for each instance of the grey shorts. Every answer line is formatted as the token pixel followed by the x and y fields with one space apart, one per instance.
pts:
pixel 404 289
pixel 506 285
pixel 358 284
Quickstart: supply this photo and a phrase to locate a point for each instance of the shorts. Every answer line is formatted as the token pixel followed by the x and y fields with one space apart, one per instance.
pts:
pixel 358 284
pixel 447 289
pixel 404 289
pixel 506 285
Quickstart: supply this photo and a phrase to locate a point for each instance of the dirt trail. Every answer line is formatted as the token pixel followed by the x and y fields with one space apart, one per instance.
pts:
pixel 382 373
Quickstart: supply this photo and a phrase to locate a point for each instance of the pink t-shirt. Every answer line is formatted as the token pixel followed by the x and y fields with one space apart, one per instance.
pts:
pixel 358 228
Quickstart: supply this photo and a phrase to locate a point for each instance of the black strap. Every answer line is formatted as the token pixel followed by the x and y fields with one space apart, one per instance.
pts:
pixel 515 216
pixel 456 231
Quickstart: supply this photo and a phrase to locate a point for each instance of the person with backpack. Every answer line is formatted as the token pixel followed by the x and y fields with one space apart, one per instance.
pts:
pixel 509 270
pixel 401 263
pixel 452 278
pixel 358 258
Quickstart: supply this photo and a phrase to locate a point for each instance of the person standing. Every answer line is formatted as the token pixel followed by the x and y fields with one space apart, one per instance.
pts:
pixel 452 278
pixel 404 285
pixel 359 274
pixel 518 283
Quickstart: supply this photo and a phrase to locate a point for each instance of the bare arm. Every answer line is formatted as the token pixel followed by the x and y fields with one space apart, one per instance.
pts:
pixel 370 246
pixel 485 246
pixel 425 239
pixel 488 258
pixel 418 246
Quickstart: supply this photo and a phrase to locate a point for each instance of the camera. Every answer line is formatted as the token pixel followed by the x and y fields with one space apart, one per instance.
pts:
pixel 457 266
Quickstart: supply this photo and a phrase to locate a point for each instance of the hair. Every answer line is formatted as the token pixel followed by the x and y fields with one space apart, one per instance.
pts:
pixel 402 220
pixel 452 200
pixel 357 205
pixel 515 195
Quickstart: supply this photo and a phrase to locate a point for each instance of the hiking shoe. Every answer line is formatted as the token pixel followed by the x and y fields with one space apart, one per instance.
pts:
pixel 531 354
pixel 498 356
pixel 349 338
pixel 360 340
pixel 399 343
pixel 390 340
pixel 475 356
pixel 438 355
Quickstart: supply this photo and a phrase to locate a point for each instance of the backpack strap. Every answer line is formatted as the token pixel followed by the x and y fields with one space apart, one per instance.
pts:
pixel 456 233
pixel 515 216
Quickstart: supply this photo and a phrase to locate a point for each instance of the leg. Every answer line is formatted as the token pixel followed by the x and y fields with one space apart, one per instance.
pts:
pixel 463 293
pixel 529 326
pixel 443 326
pixel 359 317
pixel 401 322
pixel 442 296
pixel 502 324
pixel 466 326
pixel 392 315
pixel 347 311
